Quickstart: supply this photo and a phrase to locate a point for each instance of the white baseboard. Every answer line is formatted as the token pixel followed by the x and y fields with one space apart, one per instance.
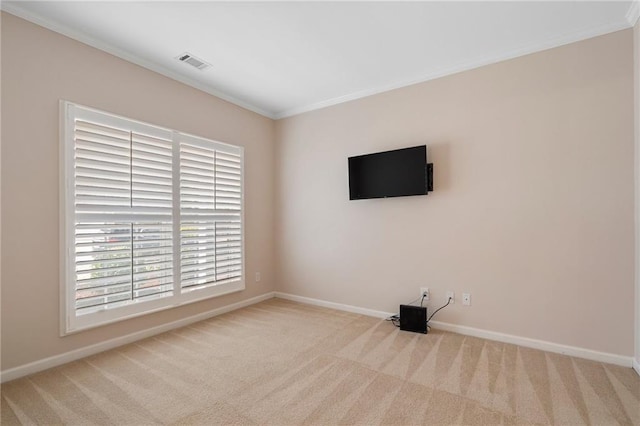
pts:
pixel 625 361
pixel 609 358
pixel 333 305
pixel 54 361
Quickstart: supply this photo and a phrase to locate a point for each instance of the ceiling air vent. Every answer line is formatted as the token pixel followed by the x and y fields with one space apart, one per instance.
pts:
pixel 188 58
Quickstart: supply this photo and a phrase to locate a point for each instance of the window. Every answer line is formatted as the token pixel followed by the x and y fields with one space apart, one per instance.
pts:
pixel 152 218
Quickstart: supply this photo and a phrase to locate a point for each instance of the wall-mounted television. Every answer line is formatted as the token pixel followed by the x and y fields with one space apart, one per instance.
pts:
pixel 397 173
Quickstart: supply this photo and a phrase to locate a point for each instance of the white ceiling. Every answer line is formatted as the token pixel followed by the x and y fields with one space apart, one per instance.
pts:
pixel 280 59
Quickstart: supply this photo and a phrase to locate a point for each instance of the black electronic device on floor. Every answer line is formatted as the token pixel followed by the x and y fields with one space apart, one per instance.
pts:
pixel 413 318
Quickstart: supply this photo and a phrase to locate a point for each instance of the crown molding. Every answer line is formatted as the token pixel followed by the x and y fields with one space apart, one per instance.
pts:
pixel 13 9
pixel 466 66
pixel 630 19
pixel 633 13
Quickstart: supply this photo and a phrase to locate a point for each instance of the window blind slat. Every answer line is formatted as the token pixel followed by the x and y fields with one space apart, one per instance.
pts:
pixel 100 165
pixel 105 139
pixel 87 292
pixel 115 159
pixel 101 174
pixel 187 185
pixel 87 190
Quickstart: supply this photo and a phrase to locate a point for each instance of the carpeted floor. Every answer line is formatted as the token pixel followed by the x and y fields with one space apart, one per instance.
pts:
pixel 284 363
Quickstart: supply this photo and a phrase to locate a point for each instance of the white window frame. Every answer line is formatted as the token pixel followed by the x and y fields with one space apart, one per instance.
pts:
pixel 69 321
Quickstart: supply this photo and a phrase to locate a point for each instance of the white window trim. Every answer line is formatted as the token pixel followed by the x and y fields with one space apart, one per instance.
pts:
pixel 71 323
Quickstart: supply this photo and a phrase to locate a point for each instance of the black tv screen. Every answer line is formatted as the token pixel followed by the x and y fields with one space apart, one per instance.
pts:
pixel 396 173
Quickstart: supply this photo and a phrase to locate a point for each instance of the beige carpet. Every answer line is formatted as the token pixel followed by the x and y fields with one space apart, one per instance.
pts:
pixel 284 363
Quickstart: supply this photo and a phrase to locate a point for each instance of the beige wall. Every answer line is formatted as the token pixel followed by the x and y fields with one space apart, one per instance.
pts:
pixel 40 67
pixel 532 212
pixel 533 209
pixel 636 73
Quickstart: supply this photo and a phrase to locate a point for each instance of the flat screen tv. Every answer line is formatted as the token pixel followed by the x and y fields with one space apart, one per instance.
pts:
pixel 397 173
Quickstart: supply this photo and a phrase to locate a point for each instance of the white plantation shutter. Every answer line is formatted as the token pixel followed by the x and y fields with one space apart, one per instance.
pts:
pixel 125 172
pixel 117 263
pixel 153 218
pixel 210 211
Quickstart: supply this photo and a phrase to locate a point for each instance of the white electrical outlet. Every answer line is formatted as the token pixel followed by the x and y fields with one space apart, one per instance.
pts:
pixel 466 299
pixel 451 295
pixel 257 277
pixel 424 291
